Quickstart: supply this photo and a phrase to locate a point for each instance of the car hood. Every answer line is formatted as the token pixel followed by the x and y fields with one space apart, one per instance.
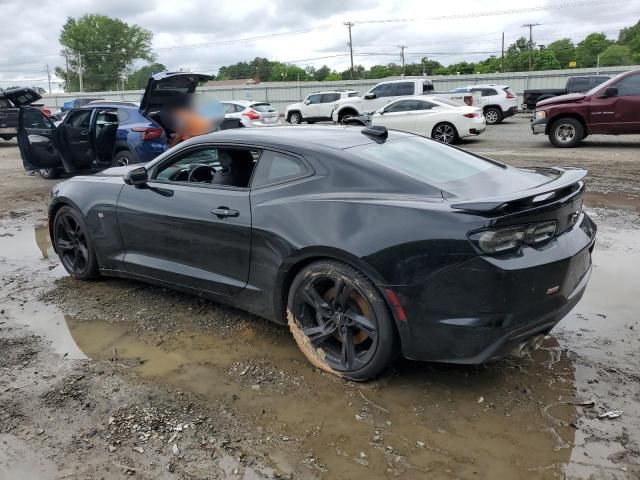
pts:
pixel 118 171
pixel 295 106
pixel 170 88
pixel 21 97
pixel 569 97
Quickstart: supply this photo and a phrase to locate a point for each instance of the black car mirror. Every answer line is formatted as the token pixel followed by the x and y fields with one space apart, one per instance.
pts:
pixel 370 96
pixel 611 92
pixel 137 176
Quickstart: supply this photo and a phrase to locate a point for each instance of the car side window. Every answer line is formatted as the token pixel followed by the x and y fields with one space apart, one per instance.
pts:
pixel 274 167
pixel 229 108
pixel 330 97
pixel 314 99
pixel 404 88
pixel 34 118
pixel 384 90
pixel 629 86
pixel 218 166
pixel 489 92
pixel 580 84
pixel 79 119
pixel 401 106
pixel 424 105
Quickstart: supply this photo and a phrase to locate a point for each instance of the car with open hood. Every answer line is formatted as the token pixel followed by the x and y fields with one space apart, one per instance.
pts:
pixel 11 101
pixel 101 134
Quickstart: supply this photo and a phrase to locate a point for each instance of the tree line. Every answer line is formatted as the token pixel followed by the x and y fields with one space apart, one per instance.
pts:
pixel 109 48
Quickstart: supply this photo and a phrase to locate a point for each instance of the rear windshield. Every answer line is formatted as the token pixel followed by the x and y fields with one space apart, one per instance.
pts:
pixel 263 107
pixel 509 91
pixel 446 168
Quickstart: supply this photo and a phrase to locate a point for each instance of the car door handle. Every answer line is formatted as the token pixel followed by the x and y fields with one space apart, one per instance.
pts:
pixel 223 212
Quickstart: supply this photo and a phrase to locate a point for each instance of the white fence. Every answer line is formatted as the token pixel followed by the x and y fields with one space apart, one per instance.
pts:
pixel 280 94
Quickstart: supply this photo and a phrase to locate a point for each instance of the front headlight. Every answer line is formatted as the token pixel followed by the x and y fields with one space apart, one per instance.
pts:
pixel 541 114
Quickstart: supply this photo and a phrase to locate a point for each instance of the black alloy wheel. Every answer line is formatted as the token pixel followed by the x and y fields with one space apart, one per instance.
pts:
pixel 340 321
pixel 444 133
pixel 73 244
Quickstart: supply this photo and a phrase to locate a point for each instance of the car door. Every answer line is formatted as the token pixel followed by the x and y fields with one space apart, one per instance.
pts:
pixel 36 140
pixel 398 115
pixel 312 106
pixel 188 233
pixel 427 115
pixel 627 104
pixel 377 97
pixel 76 136
pixel 326 105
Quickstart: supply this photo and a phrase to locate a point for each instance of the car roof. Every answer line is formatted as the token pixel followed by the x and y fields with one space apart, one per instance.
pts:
pixel 297 137
pixel 245 103
pixel 107 104
pixel 486 85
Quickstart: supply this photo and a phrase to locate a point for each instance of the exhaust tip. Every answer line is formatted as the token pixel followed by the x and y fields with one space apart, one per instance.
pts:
pixel 535 342
pixel 521 350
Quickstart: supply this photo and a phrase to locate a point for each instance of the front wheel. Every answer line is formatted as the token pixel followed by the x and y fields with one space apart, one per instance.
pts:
pixel 445 133
pixel 123 158
pixel 50 173
pixel 566 133
pixel 340 321
pixel 295 118
pixel 73 244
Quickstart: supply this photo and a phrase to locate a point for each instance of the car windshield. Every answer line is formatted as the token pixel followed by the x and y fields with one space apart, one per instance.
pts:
pixel 447 168
pixel 604 85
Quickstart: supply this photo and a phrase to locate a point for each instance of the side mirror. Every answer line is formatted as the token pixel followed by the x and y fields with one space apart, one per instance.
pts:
pixel 611 92
pixel 307 101
pixel 137 176
pixel 381 111
pixel 370 96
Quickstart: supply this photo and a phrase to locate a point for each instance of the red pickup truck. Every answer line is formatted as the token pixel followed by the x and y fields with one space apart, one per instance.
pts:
pixel 611 108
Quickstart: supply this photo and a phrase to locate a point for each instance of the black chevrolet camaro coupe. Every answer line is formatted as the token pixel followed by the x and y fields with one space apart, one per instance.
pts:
pixel 367 243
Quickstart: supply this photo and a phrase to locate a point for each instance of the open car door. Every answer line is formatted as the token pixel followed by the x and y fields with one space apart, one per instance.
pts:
pixel 36 139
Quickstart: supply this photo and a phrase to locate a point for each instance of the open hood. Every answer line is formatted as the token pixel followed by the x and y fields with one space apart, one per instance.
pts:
pixel 169 89
pixel 21 97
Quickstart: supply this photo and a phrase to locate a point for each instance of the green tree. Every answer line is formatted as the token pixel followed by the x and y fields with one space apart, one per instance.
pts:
pixel 516 58
pixel 564 50
pixel 107 48
pixel 630 37
pixel 615 55
pixel 588 49
pixel 333 76
pixel 545 60
pixel 138 79
pixel 490 65
pixel 322 73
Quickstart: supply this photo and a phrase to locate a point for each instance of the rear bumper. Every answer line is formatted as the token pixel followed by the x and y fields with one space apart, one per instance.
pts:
pixel 481 309
pixel 539 126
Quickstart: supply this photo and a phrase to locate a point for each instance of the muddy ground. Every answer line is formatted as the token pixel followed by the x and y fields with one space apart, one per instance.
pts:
pixel 118 379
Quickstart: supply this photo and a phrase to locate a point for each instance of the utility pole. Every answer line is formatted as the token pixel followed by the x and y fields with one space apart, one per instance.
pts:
pixel 502 56
pixel 530 26
pixel 80 71
pixel 49 78
pixel 402 47
pixel 349 25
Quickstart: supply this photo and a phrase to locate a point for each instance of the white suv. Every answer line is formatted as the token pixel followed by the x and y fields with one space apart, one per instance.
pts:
pixel 316 107
pixel 498 101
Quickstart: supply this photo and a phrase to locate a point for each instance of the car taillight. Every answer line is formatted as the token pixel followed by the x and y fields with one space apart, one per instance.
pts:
pixel 468 100
pixel 494 242
pixel 46 111
pixel 148 133
pixel 510 96
pixel 470 115
pixel 251 115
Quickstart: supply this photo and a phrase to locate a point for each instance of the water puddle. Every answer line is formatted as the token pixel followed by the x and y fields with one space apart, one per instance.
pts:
pixel 503 420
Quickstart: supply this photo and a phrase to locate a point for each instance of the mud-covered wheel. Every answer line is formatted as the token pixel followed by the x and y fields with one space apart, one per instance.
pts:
pixel 73 244
pixel 340 321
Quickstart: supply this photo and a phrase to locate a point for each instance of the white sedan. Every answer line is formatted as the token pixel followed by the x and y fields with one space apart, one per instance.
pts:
pixel 439 119
pixel 251 114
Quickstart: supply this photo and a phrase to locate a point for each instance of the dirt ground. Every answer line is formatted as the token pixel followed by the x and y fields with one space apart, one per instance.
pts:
pixel 116 379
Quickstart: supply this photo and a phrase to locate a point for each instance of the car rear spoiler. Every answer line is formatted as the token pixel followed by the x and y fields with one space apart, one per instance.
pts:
pixel 568 182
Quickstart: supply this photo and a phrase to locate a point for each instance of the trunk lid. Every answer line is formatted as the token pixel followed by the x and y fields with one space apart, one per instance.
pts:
pixel 21 97
pixel 169 89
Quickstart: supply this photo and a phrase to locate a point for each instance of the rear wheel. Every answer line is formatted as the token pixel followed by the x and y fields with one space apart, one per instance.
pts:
pixel 73 244
pixel 123 158
pixel 445 133
pixel 566 133
pixel 295 118
pixel 493 115
pixel 343 116
pixel 50 173
pixel 340 321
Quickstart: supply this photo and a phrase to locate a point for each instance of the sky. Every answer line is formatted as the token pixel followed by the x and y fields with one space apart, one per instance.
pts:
pixel 202 35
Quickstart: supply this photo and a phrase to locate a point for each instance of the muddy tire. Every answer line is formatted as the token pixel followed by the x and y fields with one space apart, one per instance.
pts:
pixel 50 173
pixel 73 244
pixel 566 133
pixel 445 133
pixel 340 321
pixel 493 115
pixel 294 118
